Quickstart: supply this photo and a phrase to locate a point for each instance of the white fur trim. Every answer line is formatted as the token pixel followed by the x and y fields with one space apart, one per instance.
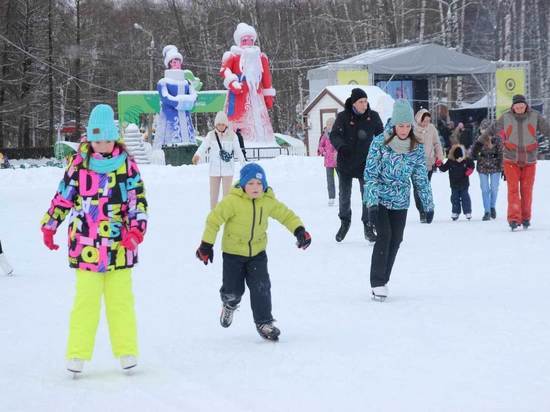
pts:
pixel 269 92
pixel 231 77
pixel 171 52
pixel 244 29
pixel 235 50
pixel 226 56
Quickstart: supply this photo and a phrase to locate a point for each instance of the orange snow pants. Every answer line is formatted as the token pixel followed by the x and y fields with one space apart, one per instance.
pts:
pixel 520 181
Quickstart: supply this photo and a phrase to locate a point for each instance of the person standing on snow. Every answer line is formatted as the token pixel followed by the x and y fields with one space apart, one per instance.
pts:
pixel 395 158
pixel 104 194
pixel 223 145
pixel 488 153
pixel 351 136
pixel 5 267
pixel 327 150
pixel 427 134
pixel 244 214
pixel 518 129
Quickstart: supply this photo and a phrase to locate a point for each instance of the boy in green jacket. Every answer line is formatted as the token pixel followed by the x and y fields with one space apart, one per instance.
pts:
pixel 244 211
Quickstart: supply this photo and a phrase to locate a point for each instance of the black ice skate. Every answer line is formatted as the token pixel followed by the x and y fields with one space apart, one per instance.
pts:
pixel 513 225
pixel 370 234
pixel 343 231
pixel 526 223
pixel 268 331
pixel 226 317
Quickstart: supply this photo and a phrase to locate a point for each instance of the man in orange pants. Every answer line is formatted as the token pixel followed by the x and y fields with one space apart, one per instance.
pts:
pixel 518 129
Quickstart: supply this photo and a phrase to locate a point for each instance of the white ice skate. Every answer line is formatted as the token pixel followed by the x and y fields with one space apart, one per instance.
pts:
pixel 75 366
pixel 128 362
pixel 380 293
pixel 5 267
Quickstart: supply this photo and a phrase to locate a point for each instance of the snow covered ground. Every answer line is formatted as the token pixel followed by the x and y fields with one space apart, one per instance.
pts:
pixel 466 328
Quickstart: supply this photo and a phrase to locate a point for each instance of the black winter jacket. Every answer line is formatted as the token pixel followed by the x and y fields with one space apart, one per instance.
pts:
pixel 488 160
pixel 351 136
pixel 457 170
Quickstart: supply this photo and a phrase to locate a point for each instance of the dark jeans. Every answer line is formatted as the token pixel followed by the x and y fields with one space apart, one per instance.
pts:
pixel 461 197
pixel 344 195
pixel 390 225
pixel 417 200
pixel 330 183
pixel 253 270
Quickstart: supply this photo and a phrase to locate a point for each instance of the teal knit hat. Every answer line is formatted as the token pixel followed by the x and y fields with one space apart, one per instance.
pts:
pixel 402 113
pixel 101 124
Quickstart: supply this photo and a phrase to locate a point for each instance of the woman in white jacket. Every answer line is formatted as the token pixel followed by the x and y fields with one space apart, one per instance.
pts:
pixel 224 147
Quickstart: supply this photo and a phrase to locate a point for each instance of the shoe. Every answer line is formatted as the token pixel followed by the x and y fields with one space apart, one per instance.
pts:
pixel 380 293
pixel 454 216
pixel 343 231
pixel 370 234
pixel 128 362
pixel 486 216
pixel 331 202
pixel 226 317
pixel 513 225
pixel 526 223
pixel 422 217
pixel 468 216
pixel 268 331
pixel 75 365
pixel 5 267
pixel 493 213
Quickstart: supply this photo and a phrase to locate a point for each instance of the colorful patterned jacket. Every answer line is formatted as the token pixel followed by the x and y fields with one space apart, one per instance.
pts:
pixel 388 176
pixel 102 206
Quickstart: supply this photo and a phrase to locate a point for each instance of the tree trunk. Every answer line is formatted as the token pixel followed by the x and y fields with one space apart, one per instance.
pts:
pixel 50 139
pixel 77 75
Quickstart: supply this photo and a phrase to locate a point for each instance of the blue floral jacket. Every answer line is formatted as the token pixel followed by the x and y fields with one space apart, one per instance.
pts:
pixel 388 175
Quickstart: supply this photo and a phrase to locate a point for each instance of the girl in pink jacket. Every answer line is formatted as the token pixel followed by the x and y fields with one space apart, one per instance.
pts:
pixel 327 150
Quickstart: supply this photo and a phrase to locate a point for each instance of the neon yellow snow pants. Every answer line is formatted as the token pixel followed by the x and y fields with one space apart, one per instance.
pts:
pixel 116 286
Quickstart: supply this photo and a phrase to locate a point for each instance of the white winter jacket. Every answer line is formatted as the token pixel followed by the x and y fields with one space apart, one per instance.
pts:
pixel 229 143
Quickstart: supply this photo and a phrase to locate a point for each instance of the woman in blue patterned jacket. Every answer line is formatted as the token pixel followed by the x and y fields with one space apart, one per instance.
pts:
pixel 395 157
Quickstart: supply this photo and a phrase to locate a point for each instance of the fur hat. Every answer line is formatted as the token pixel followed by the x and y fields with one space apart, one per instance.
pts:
pixel 221 118
pixel 402 113
pixel 101 124
pixel 169 53
pixel 252 171
pixel 242 30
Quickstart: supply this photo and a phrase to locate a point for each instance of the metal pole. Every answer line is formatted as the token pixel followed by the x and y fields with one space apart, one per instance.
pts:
pixel 151 62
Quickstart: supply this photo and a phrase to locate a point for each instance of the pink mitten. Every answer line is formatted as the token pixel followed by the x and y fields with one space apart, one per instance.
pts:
pixel 469 171
pixel 48 238
pixel 131 239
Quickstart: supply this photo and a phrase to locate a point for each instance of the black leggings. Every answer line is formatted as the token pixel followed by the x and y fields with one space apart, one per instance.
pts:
pixel 390 225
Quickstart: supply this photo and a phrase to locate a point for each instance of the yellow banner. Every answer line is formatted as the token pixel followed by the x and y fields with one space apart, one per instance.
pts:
pixel 353 77
pixel 509 82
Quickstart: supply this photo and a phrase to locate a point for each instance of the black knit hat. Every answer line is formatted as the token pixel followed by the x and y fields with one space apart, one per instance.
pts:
pixel 357 94
pixel 518 98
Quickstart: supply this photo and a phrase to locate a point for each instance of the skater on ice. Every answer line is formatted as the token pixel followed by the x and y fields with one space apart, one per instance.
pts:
pixel 103 194
pixel 395 157
pixel 460 167
pixel 351 135
pixel 327 150
pixel 518 128
pixel 487 150
pixel 244 214
pixel 223 146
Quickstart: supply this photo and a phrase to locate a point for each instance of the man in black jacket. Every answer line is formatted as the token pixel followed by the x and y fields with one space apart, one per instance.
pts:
pixel 351 136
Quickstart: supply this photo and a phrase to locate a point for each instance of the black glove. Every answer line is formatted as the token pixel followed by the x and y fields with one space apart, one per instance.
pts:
pixel 429 216
pixel 303 238
pixel 373 214
pixel 205 253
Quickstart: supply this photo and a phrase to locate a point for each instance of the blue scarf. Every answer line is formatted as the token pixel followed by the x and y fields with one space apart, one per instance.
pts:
pixel 107 165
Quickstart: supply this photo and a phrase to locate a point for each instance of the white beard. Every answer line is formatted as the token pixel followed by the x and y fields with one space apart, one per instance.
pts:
pixel 251 66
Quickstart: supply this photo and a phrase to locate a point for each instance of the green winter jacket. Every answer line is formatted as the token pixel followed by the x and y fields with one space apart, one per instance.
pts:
pixel 245 230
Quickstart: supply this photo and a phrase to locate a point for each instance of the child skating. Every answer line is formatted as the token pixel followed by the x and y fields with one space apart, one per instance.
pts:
pixel 460 167
pixel 104 194
pixel 244 212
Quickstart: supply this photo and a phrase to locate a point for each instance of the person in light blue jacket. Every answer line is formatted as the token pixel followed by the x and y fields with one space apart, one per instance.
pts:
pixel 395 157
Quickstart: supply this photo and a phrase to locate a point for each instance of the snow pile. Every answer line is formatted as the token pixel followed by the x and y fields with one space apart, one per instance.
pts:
pixel 466 326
